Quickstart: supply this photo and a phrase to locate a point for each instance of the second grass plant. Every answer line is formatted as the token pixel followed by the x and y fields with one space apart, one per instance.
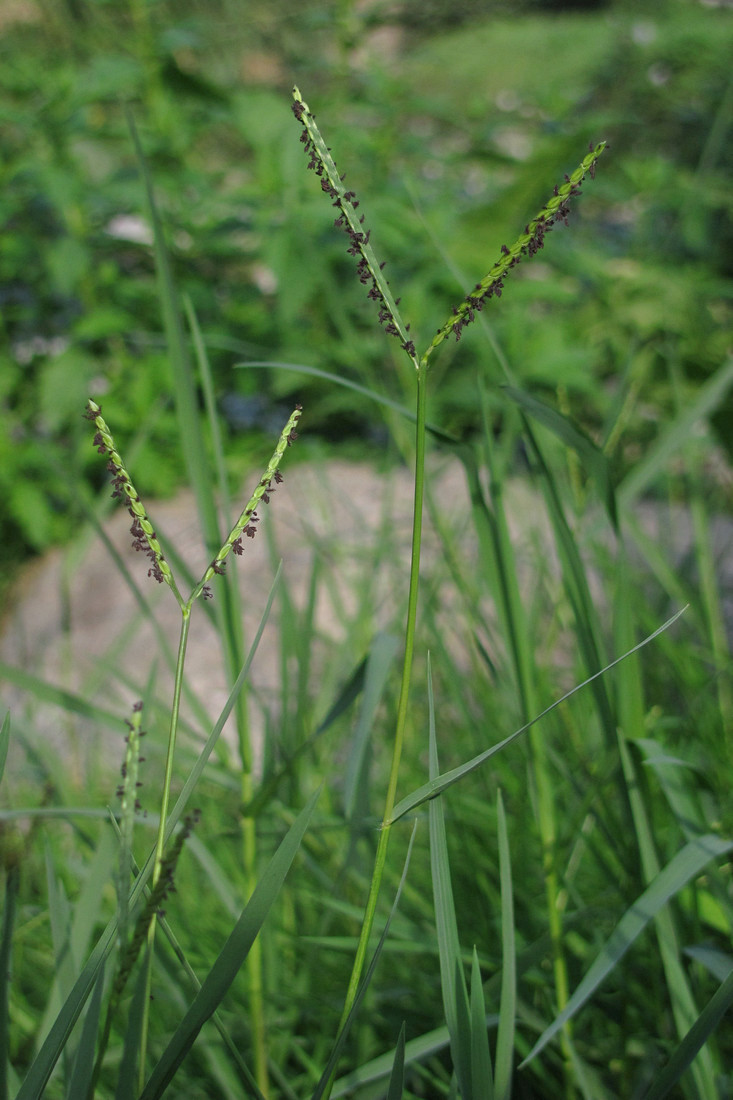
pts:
pixel 370 272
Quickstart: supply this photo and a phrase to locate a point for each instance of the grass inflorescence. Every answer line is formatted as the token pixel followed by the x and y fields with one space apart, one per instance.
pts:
pixel 540 759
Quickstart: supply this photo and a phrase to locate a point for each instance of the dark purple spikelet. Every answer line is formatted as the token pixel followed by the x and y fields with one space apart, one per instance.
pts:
pixel 346 204
pixel 532 241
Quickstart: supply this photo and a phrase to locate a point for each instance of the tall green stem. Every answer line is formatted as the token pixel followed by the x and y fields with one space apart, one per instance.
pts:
pixel 160 841
pixel 383 844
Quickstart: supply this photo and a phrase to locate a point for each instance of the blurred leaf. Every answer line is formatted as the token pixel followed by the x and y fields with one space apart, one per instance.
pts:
pixel 453 982
pixel 441 783
pixel 673 437
pixel 12 882
pixel 594 461
pixel 83 1071
pixel 504 1057
pixel 4 742
pixel 64 388
pixel 397 1076
pixel 693 1042
pixel 127 1085
pixel 324 1084
pixel 235 950
pixel 416 1050
pixel 379 665
pixel 481 1076
pixel 687 863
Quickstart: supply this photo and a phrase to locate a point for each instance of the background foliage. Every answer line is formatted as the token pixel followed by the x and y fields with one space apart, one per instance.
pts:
pixel 451 123
pixel 450 126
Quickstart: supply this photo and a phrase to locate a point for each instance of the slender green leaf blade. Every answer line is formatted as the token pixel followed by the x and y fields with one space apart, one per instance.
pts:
pixel 346 383
pixel 504 1057
pixel 594 461
pixel 453 982
pixel 675 436
pixel 12 883
pixel 325 1081
pixel 481 1076
pixel 127 1079
pixel 83 1072
pixel 379 664
pixel 440 783
pixel 47 693
pixel 4 742
pixel 416 1050
pixel 692 1043
pixel 40 1071
pixel 687 863
pixel 231 957
pixel 397 1077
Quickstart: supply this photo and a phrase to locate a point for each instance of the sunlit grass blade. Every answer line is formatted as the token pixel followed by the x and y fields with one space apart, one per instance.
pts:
pixel 231 957
pixel 504 1056
pixel 498 560
pixel 693 1041
pixel 397 1077
pixel 228 612
pixel 519 633
pixel 687 863
pixel 453 982
pixel 441 782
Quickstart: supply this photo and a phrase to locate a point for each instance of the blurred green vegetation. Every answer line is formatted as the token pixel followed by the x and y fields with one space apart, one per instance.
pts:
pixel 449 126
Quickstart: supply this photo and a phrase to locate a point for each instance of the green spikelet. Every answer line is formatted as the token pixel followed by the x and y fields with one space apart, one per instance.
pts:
pixel 142 530
pixel 527 244
pixel 370 272
pixel 129 805
pixel 246 524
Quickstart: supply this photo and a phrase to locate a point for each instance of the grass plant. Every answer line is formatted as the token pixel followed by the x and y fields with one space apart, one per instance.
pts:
pixel 602 812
